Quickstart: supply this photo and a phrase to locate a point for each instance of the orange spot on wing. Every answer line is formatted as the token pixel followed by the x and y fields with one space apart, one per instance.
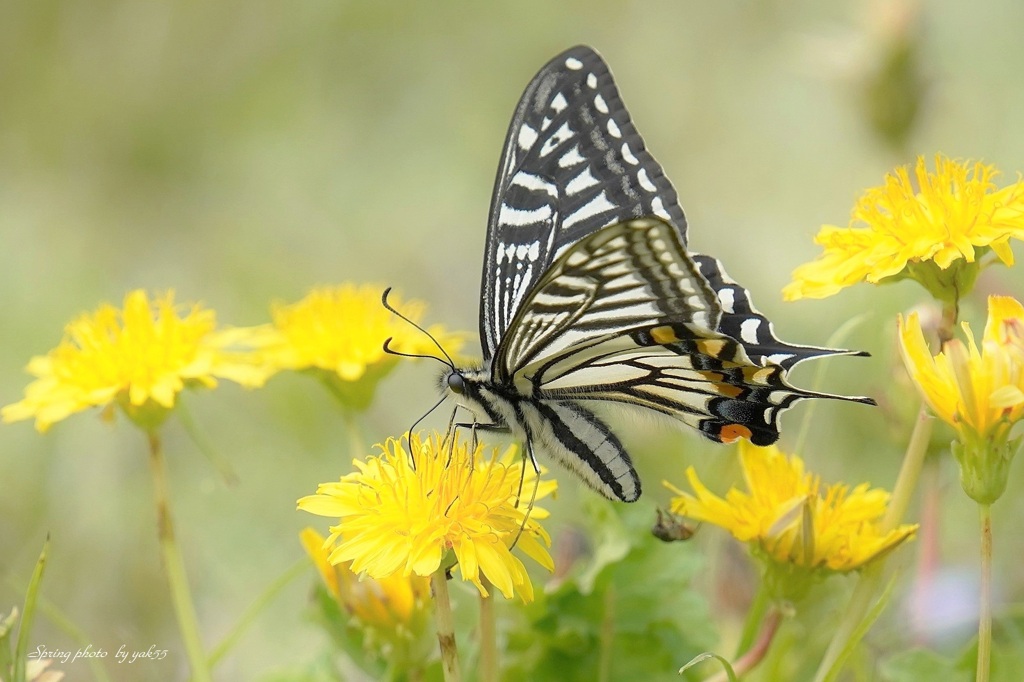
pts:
pixel 711 347
pixel 663 335
pixel 728 390
pixel 721 387
pixel 760 375
pixel 730 433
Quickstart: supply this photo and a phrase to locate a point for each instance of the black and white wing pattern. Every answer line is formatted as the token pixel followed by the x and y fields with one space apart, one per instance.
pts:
pixel 573 162
pixel 625 315
pixel 617 279
pixel 589 294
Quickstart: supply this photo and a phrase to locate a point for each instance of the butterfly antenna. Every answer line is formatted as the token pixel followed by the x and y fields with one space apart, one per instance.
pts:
pixel 391 351
pixel 392 310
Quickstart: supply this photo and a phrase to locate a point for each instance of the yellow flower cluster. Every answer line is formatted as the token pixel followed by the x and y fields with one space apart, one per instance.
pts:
pixel 979 391
pixel 785 513
pixel 342 330
pixel 140 357
pixel 943 217
pixel 401 513
pixel 390 606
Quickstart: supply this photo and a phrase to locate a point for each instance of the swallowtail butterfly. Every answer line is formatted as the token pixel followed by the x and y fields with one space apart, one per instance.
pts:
pixel 589 294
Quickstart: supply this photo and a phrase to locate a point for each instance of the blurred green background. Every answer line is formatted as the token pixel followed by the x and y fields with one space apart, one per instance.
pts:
pixel 241 152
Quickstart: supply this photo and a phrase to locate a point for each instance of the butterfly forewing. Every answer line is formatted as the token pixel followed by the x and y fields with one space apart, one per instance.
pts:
pixel 572 163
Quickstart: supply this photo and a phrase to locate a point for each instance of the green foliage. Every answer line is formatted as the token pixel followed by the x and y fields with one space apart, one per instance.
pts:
pixel 13 665
pixel 730 673
pixel 6 652
pixel 922 664
pixel 628 612
pixel 356 649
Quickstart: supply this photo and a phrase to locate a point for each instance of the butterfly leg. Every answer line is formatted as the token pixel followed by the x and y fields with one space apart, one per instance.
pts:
pixel 451 424
pixel 536 485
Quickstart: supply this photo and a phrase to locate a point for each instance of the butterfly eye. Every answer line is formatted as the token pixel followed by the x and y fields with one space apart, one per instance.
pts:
pixel 456 383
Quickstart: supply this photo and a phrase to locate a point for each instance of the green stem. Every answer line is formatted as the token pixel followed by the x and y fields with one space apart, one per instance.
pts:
pixel 950 313
pixel 910 471
pixel 755 616
pixel 842 640
pixel 758 650
pixel 205 445
pixel 445 626
pixel 871 578
pixel 356 441
pixel 174 564
pixel 488 638
pixel 249 617
pixel 985 607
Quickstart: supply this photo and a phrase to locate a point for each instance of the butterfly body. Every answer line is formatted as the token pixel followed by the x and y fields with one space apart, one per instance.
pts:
pixel 590 294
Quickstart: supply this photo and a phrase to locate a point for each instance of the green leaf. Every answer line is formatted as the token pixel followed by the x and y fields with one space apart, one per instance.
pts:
pixel 31 596
pixel 6 655
pixel 630 613
pixel 611 545
pixel 707 655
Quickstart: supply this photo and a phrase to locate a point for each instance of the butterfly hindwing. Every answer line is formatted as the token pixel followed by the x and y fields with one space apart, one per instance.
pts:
pixel 583 444
pixel 744 323
pixel 689 373
pixel 572 162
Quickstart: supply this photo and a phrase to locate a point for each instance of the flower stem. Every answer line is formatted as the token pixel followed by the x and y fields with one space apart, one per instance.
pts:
pixel 910 471
pixel 755 616
pixel 445 626
pixel 356 443
pixel 928 560
pixel 488 638
pixel 985 607
pixel 950 313
pixel 257 608
pixel 870 580
pixel 177 579
pixel 756 653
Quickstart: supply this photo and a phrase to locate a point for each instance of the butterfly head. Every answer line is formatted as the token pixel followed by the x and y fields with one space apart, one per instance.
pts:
pixel 456 382
pixel 473 389
pixel 462 382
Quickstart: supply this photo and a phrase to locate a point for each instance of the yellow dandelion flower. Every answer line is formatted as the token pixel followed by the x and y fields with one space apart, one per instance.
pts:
pixel 339 333
pixel 140 358
pixel 931 228
pixel 391 607
pixel 790 519
pixel 979 392
pixel 397 520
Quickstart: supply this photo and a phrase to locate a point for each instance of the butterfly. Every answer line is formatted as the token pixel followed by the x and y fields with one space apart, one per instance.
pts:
pixel 590 295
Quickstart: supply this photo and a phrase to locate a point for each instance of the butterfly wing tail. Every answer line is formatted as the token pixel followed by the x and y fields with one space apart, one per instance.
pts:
pixel 744 323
